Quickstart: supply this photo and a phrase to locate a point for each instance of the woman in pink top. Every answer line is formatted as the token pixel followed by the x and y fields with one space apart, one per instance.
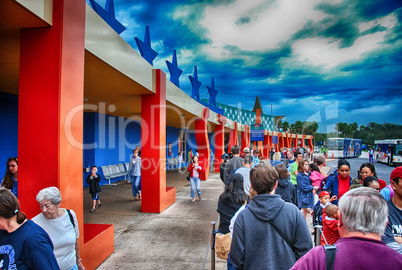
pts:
pixel 316 179
pixel 194 169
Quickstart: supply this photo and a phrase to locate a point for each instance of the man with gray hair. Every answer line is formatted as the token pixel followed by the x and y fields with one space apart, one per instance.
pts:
pixel 363 215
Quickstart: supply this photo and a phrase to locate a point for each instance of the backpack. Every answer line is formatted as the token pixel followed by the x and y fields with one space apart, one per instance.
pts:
pixel 391 190
pixel 234 171
pixel 328 180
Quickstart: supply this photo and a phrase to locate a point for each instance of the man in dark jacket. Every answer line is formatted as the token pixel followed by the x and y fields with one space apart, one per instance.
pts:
pixel 225 158
pixel 270 233
pixel 235 162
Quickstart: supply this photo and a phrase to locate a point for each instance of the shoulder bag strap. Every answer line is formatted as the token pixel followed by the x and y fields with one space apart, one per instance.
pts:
pixel 71 217
pixel 281 234
pixel 330 253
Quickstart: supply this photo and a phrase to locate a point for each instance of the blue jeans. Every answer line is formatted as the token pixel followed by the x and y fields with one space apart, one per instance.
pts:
pixel 135 184
pixel 195 184
pixel 95 197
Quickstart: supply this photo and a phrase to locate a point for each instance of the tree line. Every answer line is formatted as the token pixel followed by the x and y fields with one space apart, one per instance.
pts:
pixel 298 127
pixel 367 133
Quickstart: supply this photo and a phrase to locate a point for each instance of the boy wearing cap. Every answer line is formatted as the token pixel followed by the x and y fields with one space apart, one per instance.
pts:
pixel 319 208
pixel 393 232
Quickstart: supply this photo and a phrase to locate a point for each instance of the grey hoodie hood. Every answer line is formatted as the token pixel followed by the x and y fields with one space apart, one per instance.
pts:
pixel 266 206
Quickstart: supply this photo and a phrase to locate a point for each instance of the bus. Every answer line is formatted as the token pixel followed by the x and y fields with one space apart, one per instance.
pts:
pixel 344 147
pixel 388 151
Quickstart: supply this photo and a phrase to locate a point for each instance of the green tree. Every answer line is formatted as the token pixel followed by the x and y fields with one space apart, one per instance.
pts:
pixel 285 126
pixel 310 128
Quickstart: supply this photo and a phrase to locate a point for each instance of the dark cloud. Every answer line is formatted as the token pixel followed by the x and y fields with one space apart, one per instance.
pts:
pixel 370 80
pixel 243 20
pixel 374 8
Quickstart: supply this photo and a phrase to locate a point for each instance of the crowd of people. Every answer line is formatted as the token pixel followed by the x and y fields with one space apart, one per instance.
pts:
pixel 264 208
pixel 269 229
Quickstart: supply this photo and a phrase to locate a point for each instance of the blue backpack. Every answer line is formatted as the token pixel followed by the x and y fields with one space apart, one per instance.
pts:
pixel 329 180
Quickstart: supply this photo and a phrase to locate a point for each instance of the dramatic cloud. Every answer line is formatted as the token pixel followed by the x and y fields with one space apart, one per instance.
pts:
pixel 311 59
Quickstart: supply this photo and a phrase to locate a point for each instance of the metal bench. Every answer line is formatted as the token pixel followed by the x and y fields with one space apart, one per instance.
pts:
pixel 172 162
pixel 114 171
pixel 123 170
pixel 107 174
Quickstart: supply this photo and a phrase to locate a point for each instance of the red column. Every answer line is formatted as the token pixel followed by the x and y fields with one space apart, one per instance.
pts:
pixel 295 145
pixel 219 141
pixel 310 144
pixel 281 141
pixel 288 140
pixel 156 197
pixel 267 144
pixel 302 140
pixel 233 139
pixel 245 137
pixel 201 136
pixel 51 87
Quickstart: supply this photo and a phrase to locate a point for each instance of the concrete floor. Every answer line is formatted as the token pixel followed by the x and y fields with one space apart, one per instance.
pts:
pixel 178 238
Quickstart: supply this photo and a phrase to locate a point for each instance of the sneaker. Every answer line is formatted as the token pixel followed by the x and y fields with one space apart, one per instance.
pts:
pixel 92 210
pixel 99 205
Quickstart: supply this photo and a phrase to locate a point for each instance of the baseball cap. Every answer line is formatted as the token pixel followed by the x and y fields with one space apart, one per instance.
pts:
pixel 397 172
pixel 246 150
pixel 323 193
pixel 225 157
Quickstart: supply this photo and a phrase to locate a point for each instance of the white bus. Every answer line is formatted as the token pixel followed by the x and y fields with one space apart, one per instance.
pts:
pixel 388 151
pixel 344 147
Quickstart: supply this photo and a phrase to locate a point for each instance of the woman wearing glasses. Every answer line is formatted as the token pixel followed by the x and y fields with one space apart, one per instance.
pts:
pixel 10 180
pixel 368 169
pixel 62 227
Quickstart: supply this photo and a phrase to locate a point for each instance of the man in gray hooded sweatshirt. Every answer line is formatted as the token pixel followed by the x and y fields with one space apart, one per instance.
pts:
pixel 270 233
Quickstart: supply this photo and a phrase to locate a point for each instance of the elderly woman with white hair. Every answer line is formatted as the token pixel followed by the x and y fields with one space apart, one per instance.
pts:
pixel 363 216
pixel 62 227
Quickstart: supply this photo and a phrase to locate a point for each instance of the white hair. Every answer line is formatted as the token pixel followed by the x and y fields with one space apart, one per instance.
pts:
pixel 51 193
pixel 364 210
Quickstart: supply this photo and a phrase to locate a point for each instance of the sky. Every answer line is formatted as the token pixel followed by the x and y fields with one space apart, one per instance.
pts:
pixel 327 61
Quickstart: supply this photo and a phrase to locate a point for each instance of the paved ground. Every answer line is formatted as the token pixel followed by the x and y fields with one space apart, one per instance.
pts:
pixel 178 238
